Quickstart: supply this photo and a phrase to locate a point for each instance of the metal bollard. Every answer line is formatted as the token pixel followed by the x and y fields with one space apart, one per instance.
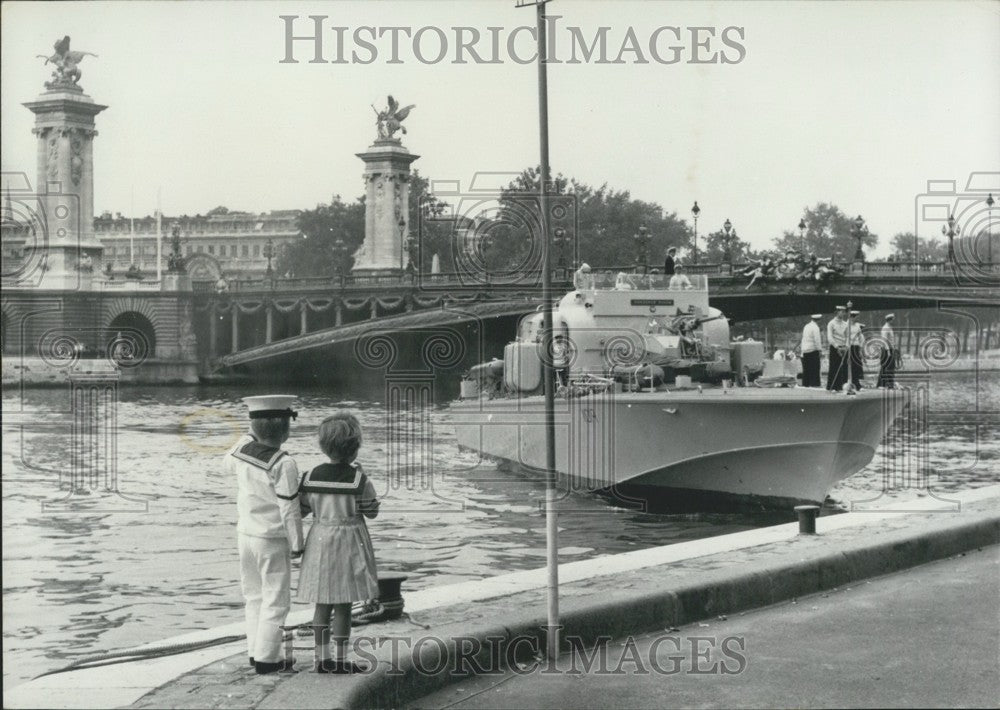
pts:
pixel 807 518
pixel 390 593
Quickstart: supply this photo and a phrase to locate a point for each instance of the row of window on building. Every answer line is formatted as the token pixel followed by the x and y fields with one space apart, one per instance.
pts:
pixel 233 250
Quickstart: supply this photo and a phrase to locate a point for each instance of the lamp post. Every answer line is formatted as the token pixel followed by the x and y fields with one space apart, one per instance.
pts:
pixel 339 252
pixel 727 252
pixel 642 244
pixel 559 239
pixel 802 235
pixel 411 252
pixel 405 245
pixel 950 231
pixel 695 211
pixel 989 228
pixel 858 232
pixel 269 254
pixel 175 263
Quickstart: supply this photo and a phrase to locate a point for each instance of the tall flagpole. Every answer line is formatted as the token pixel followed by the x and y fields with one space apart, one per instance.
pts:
pixel 159 237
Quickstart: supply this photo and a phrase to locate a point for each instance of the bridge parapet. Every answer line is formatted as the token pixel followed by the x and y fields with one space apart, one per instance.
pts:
pixel 562 278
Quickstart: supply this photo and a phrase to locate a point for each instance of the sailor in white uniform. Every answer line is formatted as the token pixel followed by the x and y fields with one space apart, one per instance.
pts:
pixel 269 527
pixel 812 345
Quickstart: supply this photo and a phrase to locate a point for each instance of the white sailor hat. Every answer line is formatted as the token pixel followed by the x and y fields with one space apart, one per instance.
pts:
pixel 271 406
pixel 890 316
pixel 816 316
pixel 840 308
pixel 855 313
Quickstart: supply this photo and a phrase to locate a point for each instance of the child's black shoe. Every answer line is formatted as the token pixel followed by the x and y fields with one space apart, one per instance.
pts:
pixel 279 667
pixel 341 667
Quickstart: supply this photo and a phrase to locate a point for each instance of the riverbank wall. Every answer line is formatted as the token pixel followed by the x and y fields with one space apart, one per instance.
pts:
pixel 615 595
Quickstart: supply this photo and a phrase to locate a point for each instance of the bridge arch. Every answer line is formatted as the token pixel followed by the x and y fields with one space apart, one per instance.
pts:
pixel 137 316
pixel 130 338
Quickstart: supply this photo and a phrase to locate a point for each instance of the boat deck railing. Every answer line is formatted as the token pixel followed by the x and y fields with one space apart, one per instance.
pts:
pixel 624 281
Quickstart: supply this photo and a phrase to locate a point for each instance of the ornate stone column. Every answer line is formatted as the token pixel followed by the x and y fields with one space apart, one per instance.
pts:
pixel 64 125
pixel 387 199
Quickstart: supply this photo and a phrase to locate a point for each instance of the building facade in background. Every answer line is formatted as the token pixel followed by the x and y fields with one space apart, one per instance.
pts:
pixel 222 243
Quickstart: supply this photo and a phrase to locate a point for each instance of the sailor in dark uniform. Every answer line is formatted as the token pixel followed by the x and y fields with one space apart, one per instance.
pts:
pixel 668 264
pixel 269 527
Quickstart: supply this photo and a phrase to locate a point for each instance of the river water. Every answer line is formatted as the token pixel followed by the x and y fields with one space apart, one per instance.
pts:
pixel 161 559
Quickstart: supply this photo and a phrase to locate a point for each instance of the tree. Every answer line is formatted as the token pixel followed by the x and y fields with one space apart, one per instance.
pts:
pixel 714 249
pixel 430 225
pixel 598 224
pixel 317 252
pixel 906 246
pixel 828 232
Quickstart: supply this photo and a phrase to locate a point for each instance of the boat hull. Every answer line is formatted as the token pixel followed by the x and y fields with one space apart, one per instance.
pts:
pixel 778 447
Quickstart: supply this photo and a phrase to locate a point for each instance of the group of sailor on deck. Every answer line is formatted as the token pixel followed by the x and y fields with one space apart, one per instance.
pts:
pixel 845 338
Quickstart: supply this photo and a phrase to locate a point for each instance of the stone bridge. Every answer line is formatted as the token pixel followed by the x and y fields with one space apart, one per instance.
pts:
pixel 293 323
pixel 259 325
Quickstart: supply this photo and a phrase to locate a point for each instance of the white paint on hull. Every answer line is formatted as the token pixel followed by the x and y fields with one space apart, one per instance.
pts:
pixel 794 444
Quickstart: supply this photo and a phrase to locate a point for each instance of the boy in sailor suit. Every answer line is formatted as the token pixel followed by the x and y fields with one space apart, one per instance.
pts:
pixel 269 527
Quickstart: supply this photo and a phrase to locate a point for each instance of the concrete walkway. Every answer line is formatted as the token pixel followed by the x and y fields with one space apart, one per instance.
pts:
pixel 632 593
pixel 926 637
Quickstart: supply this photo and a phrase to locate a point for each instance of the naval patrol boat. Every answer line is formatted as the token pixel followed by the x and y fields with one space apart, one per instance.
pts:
pixel 655 402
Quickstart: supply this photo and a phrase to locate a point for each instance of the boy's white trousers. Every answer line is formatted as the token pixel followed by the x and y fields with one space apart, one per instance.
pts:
pixel 265 575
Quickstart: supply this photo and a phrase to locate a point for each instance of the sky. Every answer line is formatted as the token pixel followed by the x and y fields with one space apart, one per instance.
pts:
pixel 855 103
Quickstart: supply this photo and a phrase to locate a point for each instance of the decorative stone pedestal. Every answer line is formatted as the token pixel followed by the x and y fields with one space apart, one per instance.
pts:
pixel 66 250
pixel 387 198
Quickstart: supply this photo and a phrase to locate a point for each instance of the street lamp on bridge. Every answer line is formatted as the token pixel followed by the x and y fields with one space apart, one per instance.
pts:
pixel 559 239
pixel 727 252
pixel 339 254
pixel 950 231
pixel 858 232
pixel 642 244
pixel 695 211
pixel 802 235
pixel 269 254
pixel 175 262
